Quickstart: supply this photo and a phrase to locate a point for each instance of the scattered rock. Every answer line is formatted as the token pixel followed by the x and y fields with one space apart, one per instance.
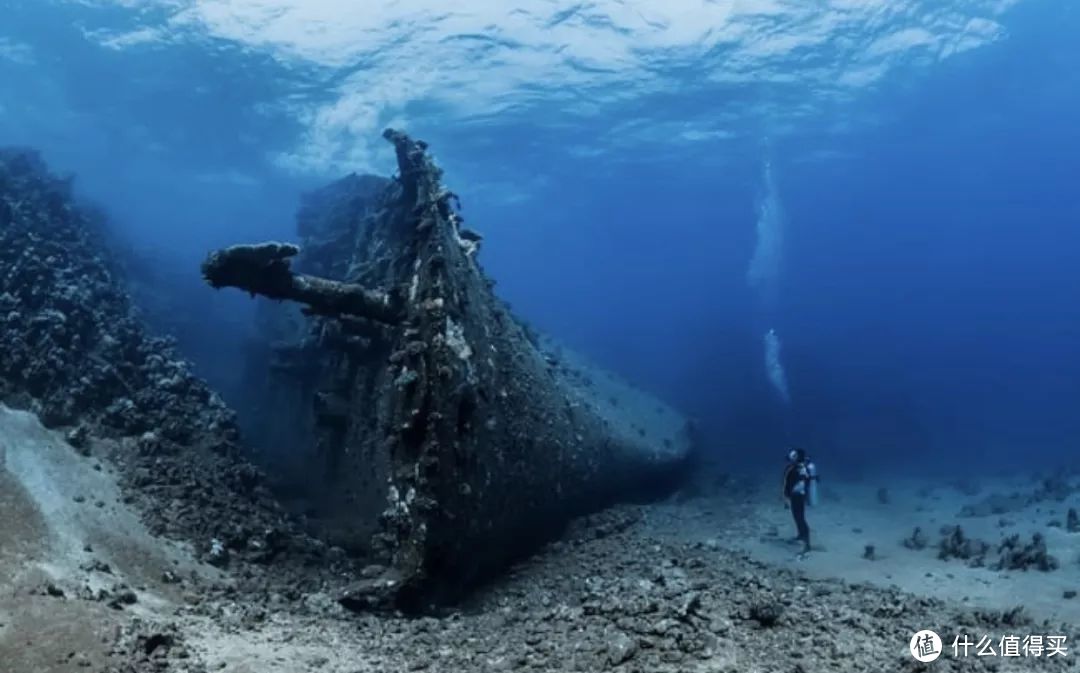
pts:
pixel 155 642
pixel 372 592
pixel 767 613
pixel 1011 553
pixel 218 554
pixel 954 544
pixel 79 439
pixel 620 649
pixel 1017 556
pixel 917 540
pixel 1013 617
pixel 122 597
pixel 97 566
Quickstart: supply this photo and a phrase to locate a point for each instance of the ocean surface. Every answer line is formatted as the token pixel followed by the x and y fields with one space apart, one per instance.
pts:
pixel 848 225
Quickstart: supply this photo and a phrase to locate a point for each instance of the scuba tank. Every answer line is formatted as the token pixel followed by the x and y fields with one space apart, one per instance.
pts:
pixel 811 484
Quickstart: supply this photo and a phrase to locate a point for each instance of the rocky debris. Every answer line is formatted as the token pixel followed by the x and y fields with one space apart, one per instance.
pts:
pixel 617 602
pixel 620 648
pixel 79 659
pixel 869 553
pixel 375 587
pixel 955 545
pixel 73 350
pixel 766 613
pixel 218 554
pixel 1012 554
pixel 143 646
pixel 917 540
pixel 96 566
pixel 79 438
pixel 117 597
pixel 1015 555
pixel 122 596
pixel 644 597
pixel 1072 521
pixel 1013 617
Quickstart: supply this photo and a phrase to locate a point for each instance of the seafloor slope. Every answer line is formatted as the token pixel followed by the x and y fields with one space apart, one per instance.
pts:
pixel 85 587
pixel 73 352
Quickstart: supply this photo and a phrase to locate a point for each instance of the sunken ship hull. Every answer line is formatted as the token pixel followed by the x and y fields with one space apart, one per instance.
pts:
pixel 446 437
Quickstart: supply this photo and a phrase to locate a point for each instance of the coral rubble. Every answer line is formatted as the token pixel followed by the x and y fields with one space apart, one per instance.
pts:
pixel 1012 554
pixel 73 351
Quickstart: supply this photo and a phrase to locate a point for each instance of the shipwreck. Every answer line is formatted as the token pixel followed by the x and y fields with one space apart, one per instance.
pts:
pixel 449 437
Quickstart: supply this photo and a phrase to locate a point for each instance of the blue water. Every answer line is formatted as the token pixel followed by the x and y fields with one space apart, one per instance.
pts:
pixel 920 211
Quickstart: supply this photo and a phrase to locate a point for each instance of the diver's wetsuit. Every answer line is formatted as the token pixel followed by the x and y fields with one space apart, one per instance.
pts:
pixel 792 476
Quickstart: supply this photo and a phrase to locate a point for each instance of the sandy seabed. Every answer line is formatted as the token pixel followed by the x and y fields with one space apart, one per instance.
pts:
pixel 843 525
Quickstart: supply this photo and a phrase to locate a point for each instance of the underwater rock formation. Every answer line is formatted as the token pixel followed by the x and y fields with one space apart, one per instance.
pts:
pixel 1015 555
pixel 1011 553
pixel 72 351
pixel 449 437
pixel 954 544
pixel 917 540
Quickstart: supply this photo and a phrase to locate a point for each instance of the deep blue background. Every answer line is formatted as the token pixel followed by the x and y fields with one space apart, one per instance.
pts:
pixel 928 302
pixel 930 299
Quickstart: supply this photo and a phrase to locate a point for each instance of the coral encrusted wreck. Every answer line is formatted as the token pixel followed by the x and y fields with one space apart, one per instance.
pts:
pixel 451 438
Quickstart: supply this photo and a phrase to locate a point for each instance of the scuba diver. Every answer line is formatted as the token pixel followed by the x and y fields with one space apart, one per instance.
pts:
pixel 800 489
